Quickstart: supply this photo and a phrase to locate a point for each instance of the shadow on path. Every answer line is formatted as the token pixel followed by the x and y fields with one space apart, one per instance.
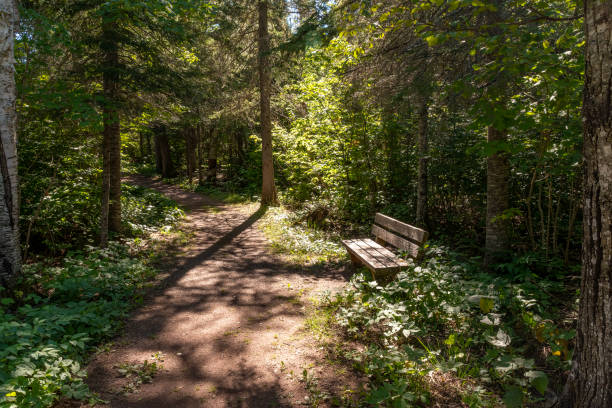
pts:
pixel 224 319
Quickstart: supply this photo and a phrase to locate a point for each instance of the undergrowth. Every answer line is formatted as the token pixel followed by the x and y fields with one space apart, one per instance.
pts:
pixel 299 242
pixel 61 309
pixel 224 192
pixel 498 334
pixel 445 331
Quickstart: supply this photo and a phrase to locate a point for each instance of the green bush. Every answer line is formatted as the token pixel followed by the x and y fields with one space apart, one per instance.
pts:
pixel 143 210
pixel 69 215
pixel 449 315
pixel 59 313
pixel 45 336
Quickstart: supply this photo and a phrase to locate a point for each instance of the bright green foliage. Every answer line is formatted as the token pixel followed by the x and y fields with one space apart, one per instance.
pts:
pixel 447 315
pixel 348 134
pixel 144 210
pixel 58 314
pixel 59 75
pixel 292 237
pixel 67 214
pixel 46 339
pixel 330 153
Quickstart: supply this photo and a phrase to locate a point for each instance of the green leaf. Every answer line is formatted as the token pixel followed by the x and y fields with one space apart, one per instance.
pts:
pixel 7 301
pixel 513 398
pixel 539 380
pixel 432 40
pixel 486 304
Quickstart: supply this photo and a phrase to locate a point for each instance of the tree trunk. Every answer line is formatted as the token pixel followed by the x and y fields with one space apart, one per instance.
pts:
pixel 423 145
pixel 190 152
pixel 213 149
pixel 498 164
pixel 240 140
pixel 590 380
pixel 498 172
pixel 141 157
pixel 167 165
pixel 201 177
pixel 268 189
pixel 158 153
pixel 10 257
pixel 148 149
pixel 111 133
pixel 105 188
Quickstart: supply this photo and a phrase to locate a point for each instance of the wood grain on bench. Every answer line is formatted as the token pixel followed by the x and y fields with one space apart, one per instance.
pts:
pixel 417 235
pixel 387 230
pixel 396 241
pixel 374 255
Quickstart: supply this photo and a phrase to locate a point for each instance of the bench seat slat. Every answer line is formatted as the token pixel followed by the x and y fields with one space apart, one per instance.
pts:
pixel 378 252
pixel 376 257
pixel 415 234
pixel 396 241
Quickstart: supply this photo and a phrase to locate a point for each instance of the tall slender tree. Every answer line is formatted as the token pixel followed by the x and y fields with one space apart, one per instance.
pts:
pixel 590 380
pixel 10 258
pixel 423 151
pixel 498 163
pixel 498 195
pixel 111 146
pixel 268 188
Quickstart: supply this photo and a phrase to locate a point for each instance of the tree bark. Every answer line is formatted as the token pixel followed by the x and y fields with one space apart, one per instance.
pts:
pixel 148 146
pixel 213 148
pixel 201 177
pixel 423 147
pixel 590 381
pixel 142 153
pixel 10 257
pixel 268 189
pixel 158 156
pixel 105 189
pixel 190 151
pixel 112 138
pixel 498 164
pixel 165 155
pixel 498 172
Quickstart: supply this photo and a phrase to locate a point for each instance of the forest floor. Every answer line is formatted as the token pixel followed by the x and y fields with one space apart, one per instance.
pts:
pixel 225 327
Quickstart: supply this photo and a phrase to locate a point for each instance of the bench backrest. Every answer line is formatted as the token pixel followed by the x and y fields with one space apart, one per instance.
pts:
pixel 402 236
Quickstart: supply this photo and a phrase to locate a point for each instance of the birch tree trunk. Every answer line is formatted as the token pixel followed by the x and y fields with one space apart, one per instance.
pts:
pixel 590 380
pixel 10 257
pixel 268 189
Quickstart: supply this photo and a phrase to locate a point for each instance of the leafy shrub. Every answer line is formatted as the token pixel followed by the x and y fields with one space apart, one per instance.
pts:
pixel 47 335
pixel 68 216
pixel 144 210
pixel 449 315
pixel 302 244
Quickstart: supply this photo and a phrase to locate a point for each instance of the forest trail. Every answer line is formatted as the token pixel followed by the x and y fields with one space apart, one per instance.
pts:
pixel 227 320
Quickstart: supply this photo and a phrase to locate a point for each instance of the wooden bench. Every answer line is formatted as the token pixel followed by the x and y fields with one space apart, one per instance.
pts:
pixel 375 256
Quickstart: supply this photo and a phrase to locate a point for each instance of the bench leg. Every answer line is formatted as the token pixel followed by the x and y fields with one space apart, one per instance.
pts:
pixel 355 261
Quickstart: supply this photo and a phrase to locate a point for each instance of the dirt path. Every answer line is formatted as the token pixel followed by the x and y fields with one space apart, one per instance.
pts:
pixel 228 320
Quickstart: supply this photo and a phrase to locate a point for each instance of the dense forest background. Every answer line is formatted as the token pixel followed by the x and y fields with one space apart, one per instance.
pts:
pixel 369 102
pixel 463 117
